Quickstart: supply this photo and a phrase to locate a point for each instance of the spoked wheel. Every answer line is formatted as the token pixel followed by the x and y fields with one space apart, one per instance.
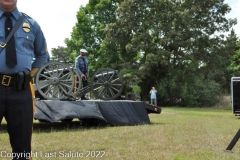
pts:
pixel 106 84
pixel 77 84
pixel 55 80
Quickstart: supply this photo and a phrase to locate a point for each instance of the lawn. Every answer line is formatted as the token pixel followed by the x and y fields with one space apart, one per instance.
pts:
pixel 175 134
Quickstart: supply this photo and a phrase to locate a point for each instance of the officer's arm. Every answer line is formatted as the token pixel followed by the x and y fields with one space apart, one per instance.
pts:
pixel 87 71
pixel 40 48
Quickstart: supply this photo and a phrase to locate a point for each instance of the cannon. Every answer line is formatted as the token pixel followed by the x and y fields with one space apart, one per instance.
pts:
pixel 56 81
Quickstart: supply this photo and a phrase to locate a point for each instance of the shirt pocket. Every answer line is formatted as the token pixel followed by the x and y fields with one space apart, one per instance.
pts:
pixel 81 63
pixel 24 43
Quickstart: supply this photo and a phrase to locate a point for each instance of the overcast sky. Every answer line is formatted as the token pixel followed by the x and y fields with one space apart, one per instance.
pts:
pixel 58 17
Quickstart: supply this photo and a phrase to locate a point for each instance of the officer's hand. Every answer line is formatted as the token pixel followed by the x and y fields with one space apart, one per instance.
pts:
pixel 83 75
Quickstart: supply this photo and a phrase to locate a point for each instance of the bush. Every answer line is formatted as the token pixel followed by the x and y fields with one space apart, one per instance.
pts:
pixel 196 91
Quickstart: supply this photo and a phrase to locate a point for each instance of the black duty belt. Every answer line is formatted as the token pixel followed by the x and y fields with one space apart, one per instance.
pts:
pixel 7 80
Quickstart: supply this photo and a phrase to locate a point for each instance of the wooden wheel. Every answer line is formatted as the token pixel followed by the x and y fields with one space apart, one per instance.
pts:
pixel 55 80
pixel 106 84
pixel 77 83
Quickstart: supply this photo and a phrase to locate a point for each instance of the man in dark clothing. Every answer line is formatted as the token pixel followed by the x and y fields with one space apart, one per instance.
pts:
pixel 81 65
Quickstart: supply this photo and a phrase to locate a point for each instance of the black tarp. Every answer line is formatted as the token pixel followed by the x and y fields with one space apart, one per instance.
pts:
pixel 111 112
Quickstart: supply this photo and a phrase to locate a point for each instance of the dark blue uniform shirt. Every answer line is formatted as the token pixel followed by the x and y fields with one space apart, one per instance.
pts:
pixel 80 65
pixel 31 47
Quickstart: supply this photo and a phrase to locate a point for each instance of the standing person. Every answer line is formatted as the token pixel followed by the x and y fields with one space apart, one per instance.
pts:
pixel 81 65
pixel 16 71
pixel 153 97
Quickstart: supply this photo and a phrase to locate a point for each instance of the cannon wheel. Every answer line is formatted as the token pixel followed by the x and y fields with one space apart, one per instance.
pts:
pixel 106 84
pixel 77 83
pixel 55 80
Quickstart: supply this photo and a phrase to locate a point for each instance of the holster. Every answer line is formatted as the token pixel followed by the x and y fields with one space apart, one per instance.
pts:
pixel 21 80
pixel 27 79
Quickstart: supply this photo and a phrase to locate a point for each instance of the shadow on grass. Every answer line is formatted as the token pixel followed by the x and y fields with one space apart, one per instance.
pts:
pixel 62 126
pixel 89 124
pixel 157 123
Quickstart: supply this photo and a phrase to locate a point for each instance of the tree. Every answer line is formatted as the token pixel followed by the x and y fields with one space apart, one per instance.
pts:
pixel 176 45
pixel 88 32
pixel 234 66
pixel 60 55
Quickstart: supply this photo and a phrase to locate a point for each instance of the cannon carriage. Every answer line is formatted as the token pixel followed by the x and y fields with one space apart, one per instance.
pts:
pixel 57 81
pixel 59 87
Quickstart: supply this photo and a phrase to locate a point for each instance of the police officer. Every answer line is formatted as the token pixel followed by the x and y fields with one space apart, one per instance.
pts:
pixel 16 100
pixel 81 65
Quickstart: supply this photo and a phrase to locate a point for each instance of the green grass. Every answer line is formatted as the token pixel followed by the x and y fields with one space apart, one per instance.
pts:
pixel 175 134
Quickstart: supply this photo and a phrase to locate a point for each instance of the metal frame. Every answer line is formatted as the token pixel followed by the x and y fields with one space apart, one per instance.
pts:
pixel 235 82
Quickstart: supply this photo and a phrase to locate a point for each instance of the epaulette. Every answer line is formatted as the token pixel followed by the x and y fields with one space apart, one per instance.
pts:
pixel 78 57
pixel 26 15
